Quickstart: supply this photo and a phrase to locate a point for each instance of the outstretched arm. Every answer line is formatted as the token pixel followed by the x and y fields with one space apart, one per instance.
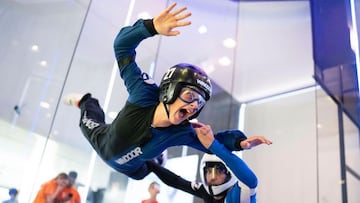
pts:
pixel 236 164
pixel 173 180
pixel 165 24
pixel 232 139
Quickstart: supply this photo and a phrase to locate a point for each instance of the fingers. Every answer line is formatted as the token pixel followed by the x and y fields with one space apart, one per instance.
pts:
pixel 173 33
pixel 169 8
pixel 266 141
pixel 179 10
pixel 202 129
pixel 176 13
pixel 254 141
pixel 166 22
pixel 269 142
pixel 262 139
pixel 246 145
pixel 183 23
pixel 181 17
pixel 197 124
pixel 205 129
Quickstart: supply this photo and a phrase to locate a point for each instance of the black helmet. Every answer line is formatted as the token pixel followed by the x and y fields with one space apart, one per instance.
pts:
pixel 182 75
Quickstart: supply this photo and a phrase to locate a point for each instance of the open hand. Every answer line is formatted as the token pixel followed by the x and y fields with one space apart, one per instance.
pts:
pixel 254 141
pixel 167 20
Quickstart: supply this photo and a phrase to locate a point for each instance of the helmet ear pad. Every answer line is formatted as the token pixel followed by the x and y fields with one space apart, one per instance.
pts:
pixel 170 92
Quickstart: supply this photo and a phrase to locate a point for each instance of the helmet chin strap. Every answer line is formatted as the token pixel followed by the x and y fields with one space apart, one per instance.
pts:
pixel 211 191
pixel 166 109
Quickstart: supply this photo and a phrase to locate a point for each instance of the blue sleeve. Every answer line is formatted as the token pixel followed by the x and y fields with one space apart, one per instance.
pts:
pixel 235 163
pixel 231 139
pixel 141 88
pixel 129 38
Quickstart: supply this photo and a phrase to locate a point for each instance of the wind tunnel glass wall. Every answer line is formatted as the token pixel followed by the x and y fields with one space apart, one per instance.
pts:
pixel 330 181
pixel 50 49
pixel 336 72
pixel 38 45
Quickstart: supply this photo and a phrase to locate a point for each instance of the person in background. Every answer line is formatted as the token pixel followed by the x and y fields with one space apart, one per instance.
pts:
pixel 70 193
pixel 154 117
pixel 52 191
pixel 225 177
pixel 13 192
pixel 154 190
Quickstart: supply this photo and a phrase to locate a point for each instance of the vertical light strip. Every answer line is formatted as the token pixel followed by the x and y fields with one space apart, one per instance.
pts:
pixel 106 105
pixel 114 72
pixel 241 124
pixel 354 40
pixel 110 87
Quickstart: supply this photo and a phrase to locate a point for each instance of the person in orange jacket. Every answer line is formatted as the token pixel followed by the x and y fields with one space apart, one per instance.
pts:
pixel 52 191
pixel 70 193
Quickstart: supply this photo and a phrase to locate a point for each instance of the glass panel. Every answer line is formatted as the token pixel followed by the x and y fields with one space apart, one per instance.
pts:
pixel 352 156
pixel 289 121
pixel 38 43
pixel 329 184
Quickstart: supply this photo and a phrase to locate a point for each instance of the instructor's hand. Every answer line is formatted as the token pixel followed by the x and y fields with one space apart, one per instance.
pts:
pixel 254 141
pixel 204 134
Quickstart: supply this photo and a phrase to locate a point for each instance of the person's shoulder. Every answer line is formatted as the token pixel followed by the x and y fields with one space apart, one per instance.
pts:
pixel 75 191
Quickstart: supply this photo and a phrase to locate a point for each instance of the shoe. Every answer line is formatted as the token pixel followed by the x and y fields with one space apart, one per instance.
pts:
pixel 73 99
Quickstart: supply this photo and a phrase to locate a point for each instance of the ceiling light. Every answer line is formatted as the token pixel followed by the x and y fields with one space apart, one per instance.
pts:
pixel 43 63
pixel 34 48
pixel 202 29
pixel 224 61
pixel 45 105
pixel 229 43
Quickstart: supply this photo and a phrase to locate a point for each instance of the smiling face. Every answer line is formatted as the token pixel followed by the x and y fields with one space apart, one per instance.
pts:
pixel 188 103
